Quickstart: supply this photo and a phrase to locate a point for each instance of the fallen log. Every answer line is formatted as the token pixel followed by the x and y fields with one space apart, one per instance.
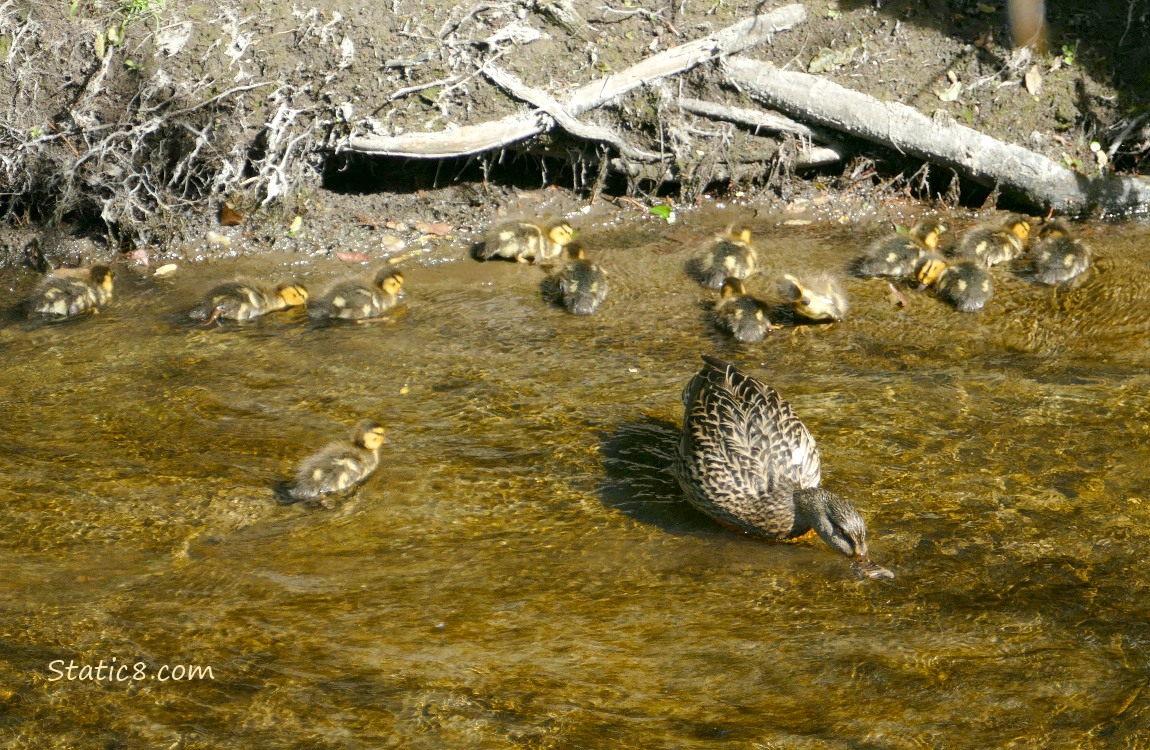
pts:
pixel 1014 169
pixel 474 139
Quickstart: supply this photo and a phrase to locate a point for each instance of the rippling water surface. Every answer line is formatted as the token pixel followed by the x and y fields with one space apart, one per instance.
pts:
pixel 523 572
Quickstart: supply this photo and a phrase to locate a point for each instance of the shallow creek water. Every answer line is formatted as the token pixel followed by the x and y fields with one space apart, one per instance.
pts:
pixel 523 571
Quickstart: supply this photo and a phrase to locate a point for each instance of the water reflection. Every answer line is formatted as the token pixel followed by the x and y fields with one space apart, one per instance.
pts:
pixel 523 571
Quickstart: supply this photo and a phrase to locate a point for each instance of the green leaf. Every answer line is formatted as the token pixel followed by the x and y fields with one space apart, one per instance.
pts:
pixel 663 211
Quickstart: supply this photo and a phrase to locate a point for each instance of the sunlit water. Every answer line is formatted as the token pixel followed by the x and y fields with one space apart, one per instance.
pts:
pixel 523 572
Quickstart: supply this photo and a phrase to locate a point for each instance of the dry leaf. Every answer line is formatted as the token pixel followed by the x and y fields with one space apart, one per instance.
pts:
pixel 351 256
pixel 166 270
pixel 229 217
pixel 1033 80
pixel 895 296
pixel 438 229
pixel 952 91
pixel 140 255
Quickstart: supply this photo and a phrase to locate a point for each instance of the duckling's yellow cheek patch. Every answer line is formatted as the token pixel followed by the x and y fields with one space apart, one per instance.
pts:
pixel 339 301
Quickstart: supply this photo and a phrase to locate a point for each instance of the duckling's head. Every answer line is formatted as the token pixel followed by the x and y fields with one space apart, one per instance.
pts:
pixel 561 233
pixel 369 434
pixel 929 268
pixel 390 281
pixel 821 300
pixel 293 295
pixel 101 276
pixel 740 233
pixel 1019 226
pixel 732 287
pixel 928 232
pixel 575 251
pixel 1055 228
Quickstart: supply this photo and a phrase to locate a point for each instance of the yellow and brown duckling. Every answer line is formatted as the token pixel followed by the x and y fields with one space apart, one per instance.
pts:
pixel 337 467
pixel 731 255
pixel 996 244
pixel 356 300
pixel 964 285
pixel 741 315
pixel 63 297
pixel 899 255
pixel 241 300
pixel 1057 257
pixel 526 241
pixel 581 285
pixel 818 299
pixel 748 462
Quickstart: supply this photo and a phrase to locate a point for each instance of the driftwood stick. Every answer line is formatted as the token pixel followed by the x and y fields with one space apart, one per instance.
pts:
pixel 586 131
pixel 487 136
pixel 1032 176
pixel 811 156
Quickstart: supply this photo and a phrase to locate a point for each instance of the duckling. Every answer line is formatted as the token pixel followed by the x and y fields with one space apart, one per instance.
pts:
pixel 355 300
pixel 928 268
pixel 1057 256
pixel 897 256
pixel 997 244
pixel 240 300
pixel 582 285
pixel 820 300
pixel 337 467
pixel 964 285
pixel 740 314
pixel 526 242
pixel 64 297
pixel 728 256
pixel 748 462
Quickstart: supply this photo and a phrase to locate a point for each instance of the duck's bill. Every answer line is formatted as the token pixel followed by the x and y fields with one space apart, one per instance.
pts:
pixel 871 570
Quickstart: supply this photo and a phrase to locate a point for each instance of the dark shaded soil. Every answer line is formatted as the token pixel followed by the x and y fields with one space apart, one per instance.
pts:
pixel 138 144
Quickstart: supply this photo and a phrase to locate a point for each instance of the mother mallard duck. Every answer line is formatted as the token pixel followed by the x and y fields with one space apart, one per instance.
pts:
pixel 747 461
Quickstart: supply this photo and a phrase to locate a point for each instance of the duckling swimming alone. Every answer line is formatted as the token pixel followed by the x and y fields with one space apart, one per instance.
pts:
pixel 740 314
pixel 526 242
pixel 897 256
pixel 582 284
pixel 355 300
pixel 1057 256
pixel 64 297
pixel 996 244
pixel 820 300
pixel 729 256
pixel 747 461
pixel 964 285
pixel 338 466
pixel 239 300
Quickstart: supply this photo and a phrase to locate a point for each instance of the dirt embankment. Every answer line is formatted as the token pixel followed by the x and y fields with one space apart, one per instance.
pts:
pixel 142 118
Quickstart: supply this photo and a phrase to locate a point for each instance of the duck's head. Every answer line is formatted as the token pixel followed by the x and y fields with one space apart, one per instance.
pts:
pixel 561 233
pixel 928 232
pixel 390 281
pixel 732 287
pixel 575 251
pixel 740 233
pixel 1055 228
pixel 293 295
pixel 821 300
pixel 929 268
pixel 369 434
pixel 838 524
pixel 101 276
pixel 1019 226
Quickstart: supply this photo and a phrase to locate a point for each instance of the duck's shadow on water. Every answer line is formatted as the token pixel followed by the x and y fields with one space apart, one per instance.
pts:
pixel 638 478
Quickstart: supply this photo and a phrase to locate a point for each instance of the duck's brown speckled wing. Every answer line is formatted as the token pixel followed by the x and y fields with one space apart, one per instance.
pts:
pixel 743 451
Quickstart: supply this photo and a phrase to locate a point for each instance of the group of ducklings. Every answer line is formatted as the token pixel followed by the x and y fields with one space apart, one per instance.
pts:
pixel 961 277
pixel 337 467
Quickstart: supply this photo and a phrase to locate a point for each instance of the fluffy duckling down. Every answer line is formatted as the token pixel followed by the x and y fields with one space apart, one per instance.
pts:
pixel 526 241
pixel 820 299
pixel 64 297
pixel 337 467
pixel 996 244
pixel 582 285
pixel 731 255
pixel 1057 256
pixel 356 300
pixel 897 256
pixel 741 315
pixel 241 300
